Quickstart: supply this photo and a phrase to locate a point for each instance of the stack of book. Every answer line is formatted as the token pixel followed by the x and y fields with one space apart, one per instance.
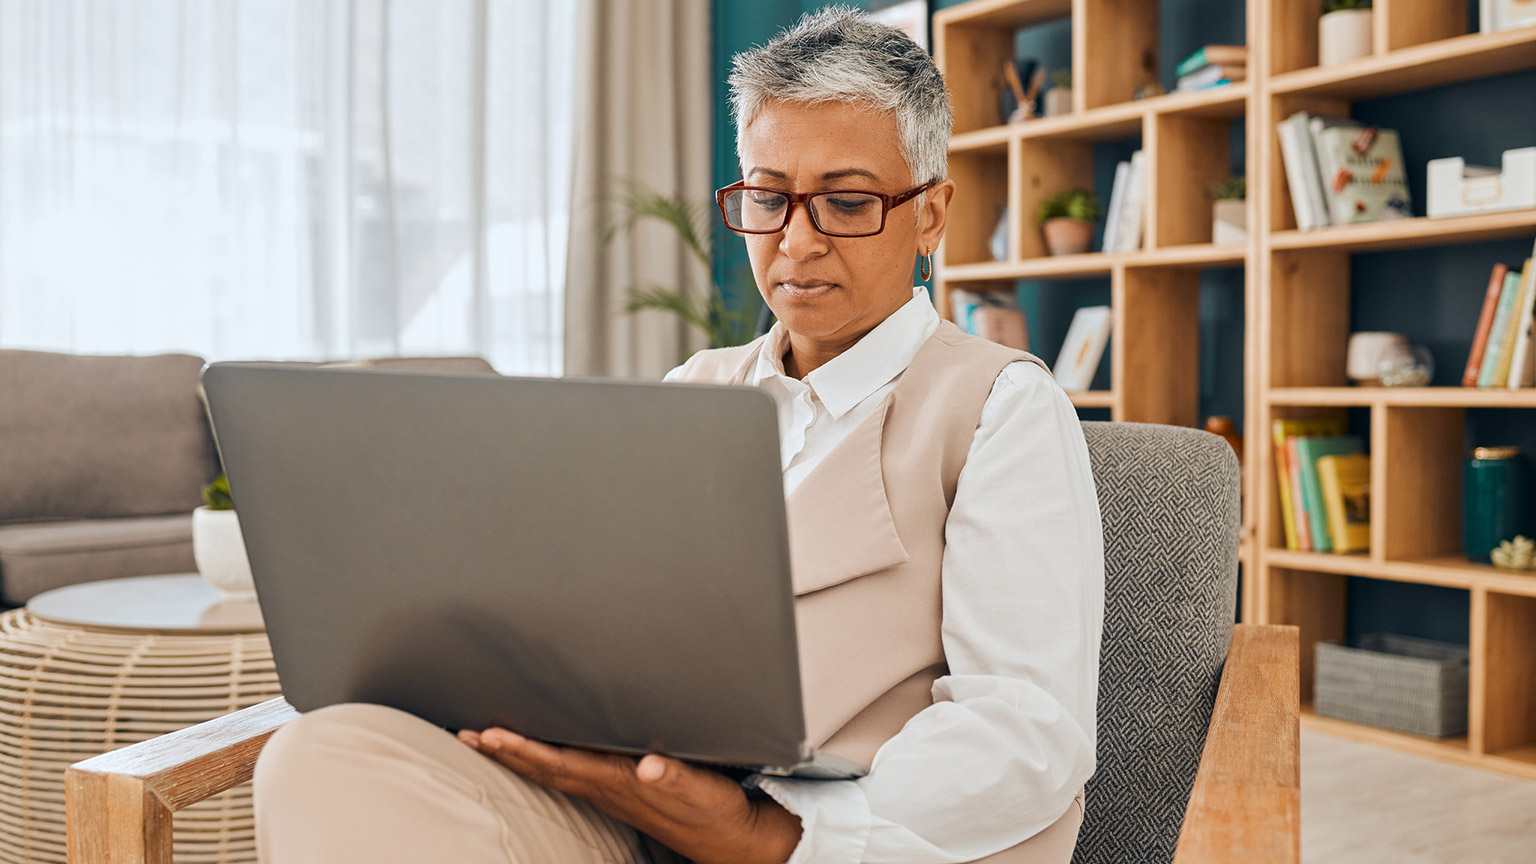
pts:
pixel 1340 171
pixel 1127 206
pixel 1502 355
pixel 1212 66
pixel 991 316
pixel 1324 479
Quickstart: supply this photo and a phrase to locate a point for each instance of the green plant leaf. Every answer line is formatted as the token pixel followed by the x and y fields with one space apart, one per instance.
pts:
pixel 216 495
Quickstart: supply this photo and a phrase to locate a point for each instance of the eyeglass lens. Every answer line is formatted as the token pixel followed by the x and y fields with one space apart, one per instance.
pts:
pixel 833 212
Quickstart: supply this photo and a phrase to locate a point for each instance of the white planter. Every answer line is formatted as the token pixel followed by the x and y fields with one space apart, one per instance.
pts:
pixel 1343 36
pixel 1058 101
pixel 1229 221
pixel 219 550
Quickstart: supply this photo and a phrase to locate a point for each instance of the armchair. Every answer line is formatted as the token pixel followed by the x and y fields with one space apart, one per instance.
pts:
pixel 1198 721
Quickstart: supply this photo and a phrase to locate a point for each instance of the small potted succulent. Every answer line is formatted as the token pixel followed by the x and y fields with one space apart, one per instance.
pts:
pixel 218 546
pixel 1066 219
pixel 1344 31
pixel 1229 210
pixel 1058 99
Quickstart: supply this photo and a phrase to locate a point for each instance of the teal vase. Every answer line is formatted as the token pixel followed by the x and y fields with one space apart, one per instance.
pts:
pixel 1495 501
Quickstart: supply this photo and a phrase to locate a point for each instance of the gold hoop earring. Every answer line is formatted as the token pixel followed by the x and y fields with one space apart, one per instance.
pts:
pixel 927 266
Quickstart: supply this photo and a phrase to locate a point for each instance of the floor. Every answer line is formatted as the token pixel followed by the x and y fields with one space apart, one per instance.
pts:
pixel 1362 804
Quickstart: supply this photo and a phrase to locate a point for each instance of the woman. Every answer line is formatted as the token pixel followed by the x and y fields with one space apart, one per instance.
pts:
pixel 947 550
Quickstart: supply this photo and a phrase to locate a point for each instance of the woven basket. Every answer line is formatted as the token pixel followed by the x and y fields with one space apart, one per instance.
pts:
pixel 1394 682
pixel 69 693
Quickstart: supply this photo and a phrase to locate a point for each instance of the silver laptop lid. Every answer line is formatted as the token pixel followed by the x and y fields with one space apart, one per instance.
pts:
pixel 591 563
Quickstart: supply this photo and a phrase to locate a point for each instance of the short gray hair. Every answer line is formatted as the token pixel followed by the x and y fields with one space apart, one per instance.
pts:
pixel 842 55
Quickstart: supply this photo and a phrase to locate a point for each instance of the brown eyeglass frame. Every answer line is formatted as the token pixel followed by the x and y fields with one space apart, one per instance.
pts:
pixel 888 203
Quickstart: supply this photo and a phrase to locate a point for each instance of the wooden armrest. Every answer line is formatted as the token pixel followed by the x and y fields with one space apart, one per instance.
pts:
pixel 118 805
pixel 1246 802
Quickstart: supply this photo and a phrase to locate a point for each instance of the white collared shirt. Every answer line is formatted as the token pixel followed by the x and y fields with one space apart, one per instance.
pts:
pixel 1009 740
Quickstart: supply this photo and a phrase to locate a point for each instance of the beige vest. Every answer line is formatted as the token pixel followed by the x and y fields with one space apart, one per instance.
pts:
pixel 866 531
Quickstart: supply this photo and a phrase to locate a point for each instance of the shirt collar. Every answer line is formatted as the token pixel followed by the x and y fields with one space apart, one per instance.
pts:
pixel 854 375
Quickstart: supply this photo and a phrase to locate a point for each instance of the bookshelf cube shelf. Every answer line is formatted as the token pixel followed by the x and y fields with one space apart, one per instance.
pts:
pixel 1298 294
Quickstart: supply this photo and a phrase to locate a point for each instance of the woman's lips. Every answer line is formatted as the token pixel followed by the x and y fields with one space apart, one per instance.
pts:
pixel 806 290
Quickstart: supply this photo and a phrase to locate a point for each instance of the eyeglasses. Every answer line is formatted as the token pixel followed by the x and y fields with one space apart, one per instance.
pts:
pixel 840 213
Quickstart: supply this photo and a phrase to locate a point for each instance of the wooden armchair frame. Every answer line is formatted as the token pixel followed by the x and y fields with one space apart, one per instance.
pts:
pixel 1245 805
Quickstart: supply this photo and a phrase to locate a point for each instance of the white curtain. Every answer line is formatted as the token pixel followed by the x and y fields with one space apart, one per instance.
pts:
pixel 286 178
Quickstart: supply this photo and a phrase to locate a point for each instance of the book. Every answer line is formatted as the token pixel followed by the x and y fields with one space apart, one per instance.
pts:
pixel 1362 171
pixel 1346 486
pixel 1212 55
pixel 1083 348
pixel 1116 201
pixel 1298 500
pixel 1210 76
pixel 1309 449
pixel 1512 367
pixel 1281 431
pixel 1484 325
pixel 1501 322
pixel 1301 172
pixel 1133 207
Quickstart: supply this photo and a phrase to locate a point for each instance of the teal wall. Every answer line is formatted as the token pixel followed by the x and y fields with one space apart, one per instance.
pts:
pixel 1433 295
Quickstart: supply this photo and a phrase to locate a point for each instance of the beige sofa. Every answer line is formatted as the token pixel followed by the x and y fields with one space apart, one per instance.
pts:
pixel 102 460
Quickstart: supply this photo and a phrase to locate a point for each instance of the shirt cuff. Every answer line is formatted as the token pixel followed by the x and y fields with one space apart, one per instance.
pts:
pixel 834 817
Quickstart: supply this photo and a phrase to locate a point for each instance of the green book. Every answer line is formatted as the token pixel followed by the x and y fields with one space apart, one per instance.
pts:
pixel 1309 450
pixel 1501 315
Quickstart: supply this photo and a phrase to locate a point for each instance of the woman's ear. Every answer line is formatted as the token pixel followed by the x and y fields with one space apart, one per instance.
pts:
pixel 935 214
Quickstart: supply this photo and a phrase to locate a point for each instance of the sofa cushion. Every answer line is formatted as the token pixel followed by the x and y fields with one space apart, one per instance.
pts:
pixel 95 437
pixel 41 556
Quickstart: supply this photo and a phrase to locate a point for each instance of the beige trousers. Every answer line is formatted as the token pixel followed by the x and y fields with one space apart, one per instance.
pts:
pixel 368 783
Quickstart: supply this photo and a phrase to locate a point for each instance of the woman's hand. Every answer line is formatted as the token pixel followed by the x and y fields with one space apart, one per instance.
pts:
pixel 697 813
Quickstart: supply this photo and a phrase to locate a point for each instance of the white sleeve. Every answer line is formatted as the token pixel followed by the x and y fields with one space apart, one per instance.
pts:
pixel 672 376
pixel 1009 740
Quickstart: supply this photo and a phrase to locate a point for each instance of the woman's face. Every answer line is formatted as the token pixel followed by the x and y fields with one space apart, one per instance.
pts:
pixel 835 289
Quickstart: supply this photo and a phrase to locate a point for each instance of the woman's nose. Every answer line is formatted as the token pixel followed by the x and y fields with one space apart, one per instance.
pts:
pixel 801 239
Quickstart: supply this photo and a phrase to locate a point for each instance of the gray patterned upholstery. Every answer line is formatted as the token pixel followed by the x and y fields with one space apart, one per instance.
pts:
pixel 1169 500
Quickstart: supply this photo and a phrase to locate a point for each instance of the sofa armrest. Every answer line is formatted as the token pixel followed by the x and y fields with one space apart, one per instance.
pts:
pixel 118 805
pixel 1246 802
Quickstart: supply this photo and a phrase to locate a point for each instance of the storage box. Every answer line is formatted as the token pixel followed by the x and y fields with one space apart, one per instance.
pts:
pixel 1456 188
pixel 1394 682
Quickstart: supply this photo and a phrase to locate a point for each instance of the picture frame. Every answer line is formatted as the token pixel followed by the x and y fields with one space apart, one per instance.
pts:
pixel 909 16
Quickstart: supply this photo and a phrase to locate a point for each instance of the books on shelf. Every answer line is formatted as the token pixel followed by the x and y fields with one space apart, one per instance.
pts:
pixel 1340 171
pixel 1346 486
pixel 1514 373
pixel 1502 355
pixel 1083 348
pixel 1309 449
pixel 990 315
pixel 1127 206
pixel 1288 474
pixel 1212 55
pixel 1210 76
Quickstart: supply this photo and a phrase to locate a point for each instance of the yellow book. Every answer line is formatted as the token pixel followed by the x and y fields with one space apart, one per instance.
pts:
pixel 1516 323
pixel 1346 482
pixel 1282 430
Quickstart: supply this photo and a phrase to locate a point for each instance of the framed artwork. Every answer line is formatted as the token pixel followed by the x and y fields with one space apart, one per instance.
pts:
pixel 908 16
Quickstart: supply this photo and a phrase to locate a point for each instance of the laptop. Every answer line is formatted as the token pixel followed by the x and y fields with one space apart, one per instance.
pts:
pixel 595 564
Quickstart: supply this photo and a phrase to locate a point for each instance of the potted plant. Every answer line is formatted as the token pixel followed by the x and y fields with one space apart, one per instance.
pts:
pixel 1344 31
pixel 1058 99
pixel 218 546
pixel 1067 220
pixel 1229 210
pixel 693 222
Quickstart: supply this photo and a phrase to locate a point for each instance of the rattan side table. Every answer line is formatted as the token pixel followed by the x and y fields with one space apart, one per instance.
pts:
pixel 90 668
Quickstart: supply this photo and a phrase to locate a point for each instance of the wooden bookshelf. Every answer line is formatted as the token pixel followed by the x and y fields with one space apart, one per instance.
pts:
pixel 1296 295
